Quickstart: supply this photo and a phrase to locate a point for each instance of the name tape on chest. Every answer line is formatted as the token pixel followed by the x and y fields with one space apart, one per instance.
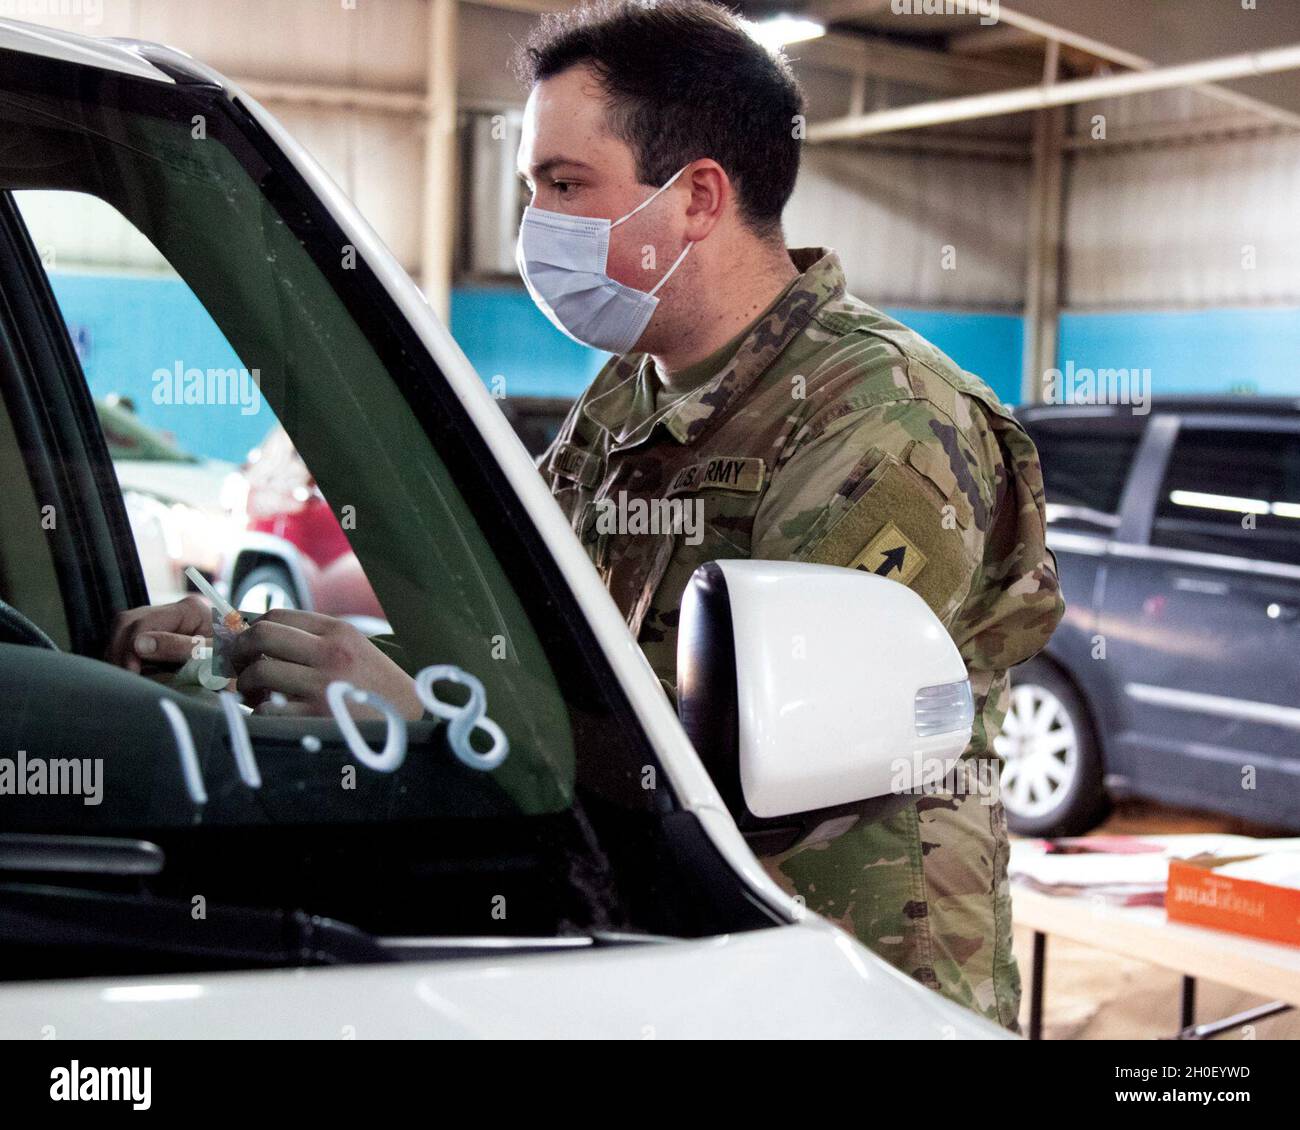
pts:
pixel 572 462
pixel 723 472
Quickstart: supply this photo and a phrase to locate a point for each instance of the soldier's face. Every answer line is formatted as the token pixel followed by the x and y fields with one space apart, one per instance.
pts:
pixel 572 163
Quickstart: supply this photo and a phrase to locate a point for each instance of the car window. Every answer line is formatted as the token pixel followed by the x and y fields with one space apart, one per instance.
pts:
pixel 209 477
pixel 574 829
pixel 1232 491
pixel 130 439
pixel 317 374
pixel 1085 467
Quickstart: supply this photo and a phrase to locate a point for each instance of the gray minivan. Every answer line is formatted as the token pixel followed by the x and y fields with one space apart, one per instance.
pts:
pixel 1175 674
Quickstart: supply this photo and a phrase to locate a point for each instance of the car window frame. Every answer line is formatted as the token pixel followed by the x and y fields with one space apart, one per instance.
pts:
pixel 1041 424
pixel 1146 472
pixel 64 446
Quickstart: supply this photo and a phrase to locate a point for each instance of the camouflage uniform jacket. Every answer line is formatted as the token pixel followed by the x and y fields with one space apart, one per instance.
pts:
pixel 834 435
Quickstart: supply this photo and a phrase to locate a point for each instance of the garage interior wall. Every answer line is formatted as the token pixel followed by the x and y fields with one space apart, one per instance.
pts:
pixel 935 238
pixel 1156 270
pixel 1180 254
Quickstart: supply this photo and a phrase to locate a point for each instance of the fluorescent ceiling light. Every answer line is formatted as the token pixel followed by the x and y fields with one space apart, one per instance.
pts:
pixel 777 31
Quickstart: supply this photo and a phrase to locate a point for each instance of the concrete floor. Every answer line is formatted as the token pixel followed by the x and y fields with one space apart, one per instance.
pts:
pixel 1091 995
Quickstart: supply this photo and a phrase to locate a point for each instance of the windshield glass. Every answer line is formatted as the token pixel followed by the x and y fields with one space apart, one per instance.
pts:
pixel 574 828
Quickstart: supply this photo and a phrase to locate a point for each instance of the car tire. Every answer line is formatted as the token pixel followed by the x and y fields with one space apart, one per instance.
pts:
pixel 1052 772
pixel 266 587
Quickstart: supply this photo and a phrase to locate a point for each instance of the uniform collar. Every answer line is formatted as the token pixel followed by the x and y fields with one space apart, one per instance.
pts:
pixel 613 409
pixel 822 280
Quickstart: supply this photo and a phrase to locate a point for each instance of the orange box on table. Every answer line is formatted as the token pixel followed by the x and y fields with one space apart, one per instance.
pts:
pixel 1197 894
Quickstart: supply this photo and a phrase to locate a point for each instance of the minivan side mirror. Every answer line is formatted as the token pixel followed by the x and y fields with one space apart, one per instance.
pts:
pixel 816 695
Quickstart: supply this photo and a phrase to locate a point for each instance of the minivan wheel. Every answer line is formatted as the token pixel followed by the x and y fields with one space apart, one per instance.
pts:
pixel 266 587
pixel 1051 766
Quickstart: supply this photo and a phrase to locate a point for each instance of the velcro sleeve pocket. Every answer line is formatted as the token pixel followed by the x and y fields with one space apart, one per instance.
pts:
pixel 902 505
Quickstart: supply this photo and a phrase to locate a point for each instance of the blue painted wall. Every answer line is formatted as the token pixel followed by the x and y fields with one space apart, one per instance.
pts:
pixel 504 334
pixel 127 327
pixel 118 323
pixel 988 345
pixel 1202 351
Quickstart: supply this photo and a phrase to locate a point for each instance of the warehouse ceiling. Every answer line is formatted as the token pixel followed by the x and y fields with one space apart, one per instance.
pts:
pixel 1093 36
pixel 1184 32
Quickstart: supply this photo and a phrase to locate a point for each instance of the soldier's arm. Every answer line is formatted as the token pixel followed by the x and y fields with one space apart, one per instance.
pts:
pixel 898 488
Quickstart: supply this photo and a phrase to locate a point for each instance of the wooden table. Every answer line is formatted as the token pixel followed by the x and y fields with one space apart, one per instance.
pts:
pixel 1266 969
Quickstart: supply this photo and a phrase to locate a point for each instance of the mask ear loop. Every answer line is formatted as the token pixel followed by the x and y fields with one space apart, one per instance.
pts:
pixel 651 198
pixel 668 273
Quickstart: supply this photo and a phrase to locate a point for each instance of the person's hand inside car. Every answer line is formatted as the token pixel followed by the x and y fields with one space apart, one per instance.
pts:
pixel 298 654
pixel 159 634
pixel 286 652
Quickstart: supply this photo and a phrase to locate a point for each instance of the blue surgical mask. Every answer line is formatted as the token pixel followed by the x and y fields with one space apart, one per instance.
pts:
pixel 562 260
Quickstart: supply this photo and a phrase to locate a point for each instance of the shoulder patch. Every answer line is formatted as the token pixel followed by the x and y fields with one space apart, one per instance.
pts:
pixel 891 553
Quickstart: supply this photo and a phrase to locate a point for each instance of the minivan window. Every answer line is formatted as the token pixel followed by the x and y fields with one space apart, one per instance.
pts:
pixel 577 830
pixel 1085 467
pixel 1232 491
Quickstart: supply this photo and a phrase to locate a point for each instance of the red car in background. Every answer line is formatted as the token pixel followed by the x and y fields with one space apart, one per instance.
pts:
pixel 294 553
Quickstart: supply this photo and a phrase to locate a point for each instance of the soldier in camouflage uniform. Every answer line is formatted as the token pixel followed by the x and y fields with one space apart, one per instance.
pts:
pixel 800 423
pixel 835 435
pixel 823 431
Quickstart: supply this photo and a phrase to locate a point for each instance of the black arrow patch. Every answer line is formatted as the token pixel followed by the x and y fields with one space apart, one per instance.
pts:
pixel 891 553
pixel 893 560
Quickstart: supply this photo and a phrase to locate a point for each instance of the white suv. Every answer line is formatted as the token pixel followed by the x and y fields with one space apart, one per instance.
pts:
pixel 544 854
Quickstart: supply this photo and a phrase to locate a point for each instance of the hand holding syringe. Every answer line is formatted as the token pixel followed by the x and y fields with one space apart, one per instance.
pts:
pixel 229 614
pixel 178 635
pixel 285 662
pixel 207 666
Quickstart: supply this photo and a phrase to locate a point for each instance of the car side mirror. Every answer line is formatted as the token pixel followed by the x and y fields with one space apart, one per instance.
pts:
pixel 815 695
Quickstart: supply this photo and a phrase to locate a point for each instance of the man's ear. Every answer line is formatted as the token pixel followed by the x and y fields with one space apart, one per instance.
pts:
pixel 711 195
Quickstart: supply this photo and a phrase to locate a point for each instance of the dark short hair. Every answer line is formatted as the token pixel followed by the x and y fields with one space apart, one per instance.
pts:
pixel 683 81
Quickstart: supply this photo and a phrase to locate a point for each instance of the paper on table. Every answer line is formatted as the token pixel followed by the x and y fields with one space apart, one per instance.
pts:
pixel 1281 869
pixel 1123 875
pixel 1221 843
pixel 1093 870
